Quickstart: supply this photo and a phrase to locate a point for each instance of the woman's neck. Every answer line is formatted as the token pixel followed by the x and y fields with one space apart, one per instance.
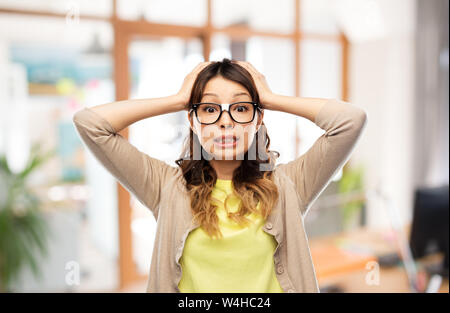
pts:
pixel 225 168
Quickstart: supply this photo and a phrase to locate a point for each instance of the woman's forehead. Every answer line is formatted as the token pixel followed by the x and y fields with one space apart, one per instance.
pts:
pixel 220 87
pixel 235 94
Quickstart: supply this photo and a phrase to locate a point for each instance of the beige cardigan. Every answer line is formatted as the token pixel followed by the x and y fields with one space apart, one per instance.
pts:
pixel 159 186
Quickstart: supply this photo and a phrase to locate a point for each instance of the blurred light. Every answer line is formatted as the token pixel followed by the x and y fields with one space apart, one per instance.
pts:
pixel 65 86
pixel 191 61
pixel 361 20
pixel 17 151
pixel 338 175
pixel 443 58
pixel 57 193
pixel 17 145
pixel 79 192
pixel 219 54
pixel 142 227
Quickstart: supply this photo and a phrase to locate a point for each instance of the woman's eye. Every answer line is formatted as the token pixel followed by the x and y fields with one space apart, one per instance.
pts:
pixel 241 109
pixel 210 109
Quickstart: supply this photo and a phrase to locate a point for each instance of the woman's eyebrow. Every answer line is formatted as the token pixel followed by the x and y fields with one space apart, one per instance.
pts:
pixel 235 95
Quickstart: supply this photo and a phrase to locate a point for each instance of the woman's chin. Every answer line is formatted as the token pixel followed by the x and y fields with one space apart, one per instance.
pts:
pixel 228 155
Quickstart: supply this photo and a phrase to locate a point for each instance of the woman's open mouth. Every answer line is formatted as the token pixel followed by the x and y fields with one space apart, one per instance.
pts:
pixel 226 141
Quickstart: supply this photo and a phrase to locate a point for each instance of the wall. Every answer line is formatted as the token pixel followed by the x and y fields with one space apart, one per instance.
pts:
pixel 382 81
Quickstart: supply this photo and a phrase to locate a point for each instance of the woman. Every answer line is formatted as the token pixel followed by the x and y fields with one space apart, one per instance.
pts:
pixel 228 219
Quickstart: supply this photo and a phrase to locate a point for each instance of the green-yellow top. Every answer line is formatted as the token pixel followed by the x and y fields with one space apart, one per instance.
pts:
pixel 240 261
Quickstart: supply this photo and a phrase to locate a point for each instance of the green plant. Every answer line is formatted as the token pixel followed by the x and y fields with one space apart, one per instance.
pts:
pixel 351 182
pixel 23 228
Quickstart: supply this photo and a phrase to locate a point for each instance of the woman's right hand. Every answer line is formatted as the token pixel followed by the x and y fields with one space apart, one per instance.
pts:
pixel 185 92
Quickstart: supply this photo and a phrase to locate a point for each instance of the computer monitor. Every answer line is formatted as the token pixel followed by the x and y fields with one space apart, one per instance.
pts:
pixel 429 232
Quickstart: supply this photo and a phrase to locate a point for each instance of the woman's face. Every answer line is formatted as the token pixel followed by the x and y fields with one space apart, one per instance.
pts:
pixel 223 91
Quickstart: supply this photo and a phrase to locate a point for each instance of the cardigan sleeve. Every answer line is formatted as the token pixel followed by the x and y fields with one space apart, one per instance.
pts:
pixel 137 172
pixel 311 172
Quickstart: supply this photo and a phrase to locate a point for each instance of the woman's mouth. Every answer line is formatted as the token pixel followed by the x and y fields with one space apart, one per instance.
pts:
pixel 226 141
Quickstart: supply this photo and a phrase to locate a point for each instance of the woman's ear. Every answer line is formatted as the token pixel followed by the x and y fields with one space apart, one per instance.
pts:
pixel 191 120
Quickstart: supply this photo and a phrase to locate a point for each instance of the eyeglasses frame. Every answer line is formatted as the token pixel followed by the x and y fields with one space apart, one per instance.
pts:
pixel 227 108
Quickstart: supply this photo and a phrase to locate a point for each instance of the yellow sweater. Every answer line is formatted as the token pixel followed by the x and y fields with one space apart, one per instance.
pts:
pixel 241 261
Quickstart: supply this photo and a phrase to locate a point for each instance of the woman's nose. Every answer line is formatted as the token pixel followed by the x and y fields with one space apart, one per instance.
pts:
pixel 225 120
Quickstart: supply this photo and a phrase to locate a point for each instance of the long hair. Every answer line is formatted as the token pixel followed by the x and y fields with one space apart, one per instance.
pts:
pixel 252 180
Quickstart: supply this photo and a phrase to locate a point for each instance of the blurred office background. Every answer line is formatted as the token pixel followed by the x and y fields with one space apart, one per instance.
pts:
pixel 381 224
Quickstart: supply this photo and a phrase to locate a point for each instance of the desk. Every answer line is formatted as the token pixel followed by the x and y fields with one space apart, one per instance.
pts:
pixel 346 260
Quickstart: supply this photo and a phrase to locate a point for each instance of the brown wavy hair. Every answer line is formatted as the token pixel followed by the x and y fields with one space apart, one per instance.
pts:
pixel 251 184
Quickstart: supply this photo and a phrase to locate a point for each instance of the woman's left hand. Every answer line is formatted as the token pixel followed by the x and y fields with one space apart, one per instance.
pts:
pixel 261 84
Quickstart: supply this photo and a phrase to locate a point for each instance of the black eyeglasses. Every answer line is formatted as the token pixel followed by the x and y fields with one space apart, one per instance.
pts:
pixel 241 112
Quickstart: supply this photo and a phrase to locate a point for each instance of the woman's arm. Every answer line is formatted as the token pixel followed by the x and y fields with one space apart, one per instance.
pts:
pixel 140 174
pixel 121 114
pixel 304 107
pixel 343 123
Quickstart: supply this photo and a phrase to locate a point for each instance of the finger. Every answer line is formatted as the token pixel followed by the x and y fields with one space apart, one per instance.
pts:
pixel 201 65
pixel 249 68
pixel 243 64
pixel 198 68
pixel 252 67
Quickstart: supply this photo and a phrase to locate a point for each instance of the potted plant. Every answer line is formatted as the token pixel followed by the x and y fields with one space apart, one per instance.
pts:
pixel 23 228
pixel 351 184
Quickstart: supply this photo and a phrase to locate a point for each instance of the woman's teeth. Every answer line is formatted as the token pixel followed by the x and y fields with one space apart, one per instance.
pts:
pixel 228 140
